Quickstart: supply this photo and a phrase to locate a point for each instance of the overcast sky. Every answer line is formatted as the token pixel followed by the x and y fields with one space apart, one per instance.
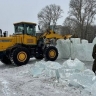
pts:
pixel 12 11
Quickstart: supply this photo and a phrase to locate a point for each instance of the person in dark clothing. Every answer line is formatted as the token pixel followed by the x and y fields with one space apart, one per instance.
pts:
pixel 94 57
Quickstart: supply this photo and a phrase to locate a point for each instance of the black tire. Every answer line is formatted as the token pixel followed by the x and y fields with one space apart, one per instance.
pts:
pixel 16 57
pixel 48 55
pixel 6 60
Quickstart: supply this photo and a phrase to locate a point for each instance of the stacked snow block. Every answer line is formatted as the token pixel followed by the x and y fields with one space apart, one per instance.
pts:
pixel 75 48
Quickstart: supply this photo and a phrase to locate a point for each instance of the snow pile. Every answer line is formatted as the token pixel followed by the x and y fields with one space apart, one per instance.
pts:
pixel 54 69
pixel 48 69
pixel 74 64
pixel 75 48
pixel 84 79
pixel 76 74
pixel 72 72
pixel 70 67
pixel 18 81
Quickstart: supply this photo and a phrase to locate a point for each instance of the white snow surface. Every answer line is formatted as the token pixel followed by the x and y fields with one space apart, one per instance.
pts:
pixel 18 81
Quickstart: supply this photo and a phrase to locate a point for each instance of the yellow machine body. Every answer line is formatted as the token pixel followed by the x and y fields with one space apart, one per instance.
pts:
pixel 7 42
pixel 51 34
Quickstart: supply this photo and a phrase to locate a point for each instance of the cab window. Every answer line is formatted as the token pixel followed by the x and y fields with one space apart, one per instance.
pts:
pixel 31 30
pixel 19 28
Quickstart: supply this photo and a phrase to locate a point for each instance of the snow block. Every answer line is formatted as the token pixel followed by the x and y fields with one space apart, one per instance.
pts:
pixel 49 69
pixel 70 67
pixel 75 48
pixel 63 47
pixel 84 41
pixel 74 64
pixel 82 51
pixel 75 40
pixel 84 79
pixel 38 68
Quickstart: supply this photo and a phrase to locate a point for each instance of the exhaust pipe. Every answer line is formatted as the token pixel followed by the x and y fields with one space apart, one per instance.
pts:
pixel 5 33
pixel 0 32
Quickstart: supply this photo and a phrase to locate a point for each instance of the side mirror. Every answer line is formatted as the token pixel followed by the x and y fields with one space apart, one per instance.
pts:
pixel 39 27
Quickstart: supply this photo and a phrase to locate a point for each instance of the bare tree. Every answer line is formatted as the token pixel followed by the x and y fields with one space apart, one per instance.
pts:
pixel 83 13
pixel 49 15
pixel 72 26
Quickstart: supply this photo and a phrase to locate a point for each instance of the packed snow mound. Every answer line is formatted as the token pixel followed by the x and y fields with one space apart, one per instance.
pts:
pixel 73 72
pixel 75 48
pixel 70 67
pixel 54 69
pixel 74 64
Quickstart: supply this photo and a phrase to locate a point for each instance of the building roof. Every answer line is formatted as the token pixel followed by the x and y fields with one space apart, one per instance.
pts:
pixel 23 22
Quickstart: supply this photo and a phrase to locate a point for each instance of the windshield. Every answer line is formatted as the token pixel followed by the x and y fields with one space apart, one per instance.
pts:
pixel 31 30
pixel 19 28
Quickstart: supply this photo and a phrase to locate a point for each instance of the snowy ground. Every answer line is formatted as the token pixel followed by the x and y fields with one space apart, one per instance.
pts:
pixel 17 81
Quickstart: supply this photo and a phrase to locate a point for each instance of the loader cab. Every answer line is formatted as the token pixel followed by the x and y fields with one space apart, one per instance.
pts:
pixel 25 28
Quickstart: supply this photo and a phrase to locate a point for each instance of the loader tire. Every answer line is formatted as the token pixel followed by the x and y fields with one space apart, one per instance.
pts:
pixel 51 53
pixel 20 56
pixel 6 60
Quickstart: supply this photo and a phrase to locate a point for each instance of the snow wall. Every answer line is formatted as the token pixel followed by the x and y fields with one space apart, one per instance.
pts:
pixel 75 48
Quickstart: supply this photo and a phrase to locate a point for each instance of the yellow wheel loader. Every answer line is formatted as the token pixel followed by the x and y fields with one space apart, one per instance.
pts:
pixel 23 44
